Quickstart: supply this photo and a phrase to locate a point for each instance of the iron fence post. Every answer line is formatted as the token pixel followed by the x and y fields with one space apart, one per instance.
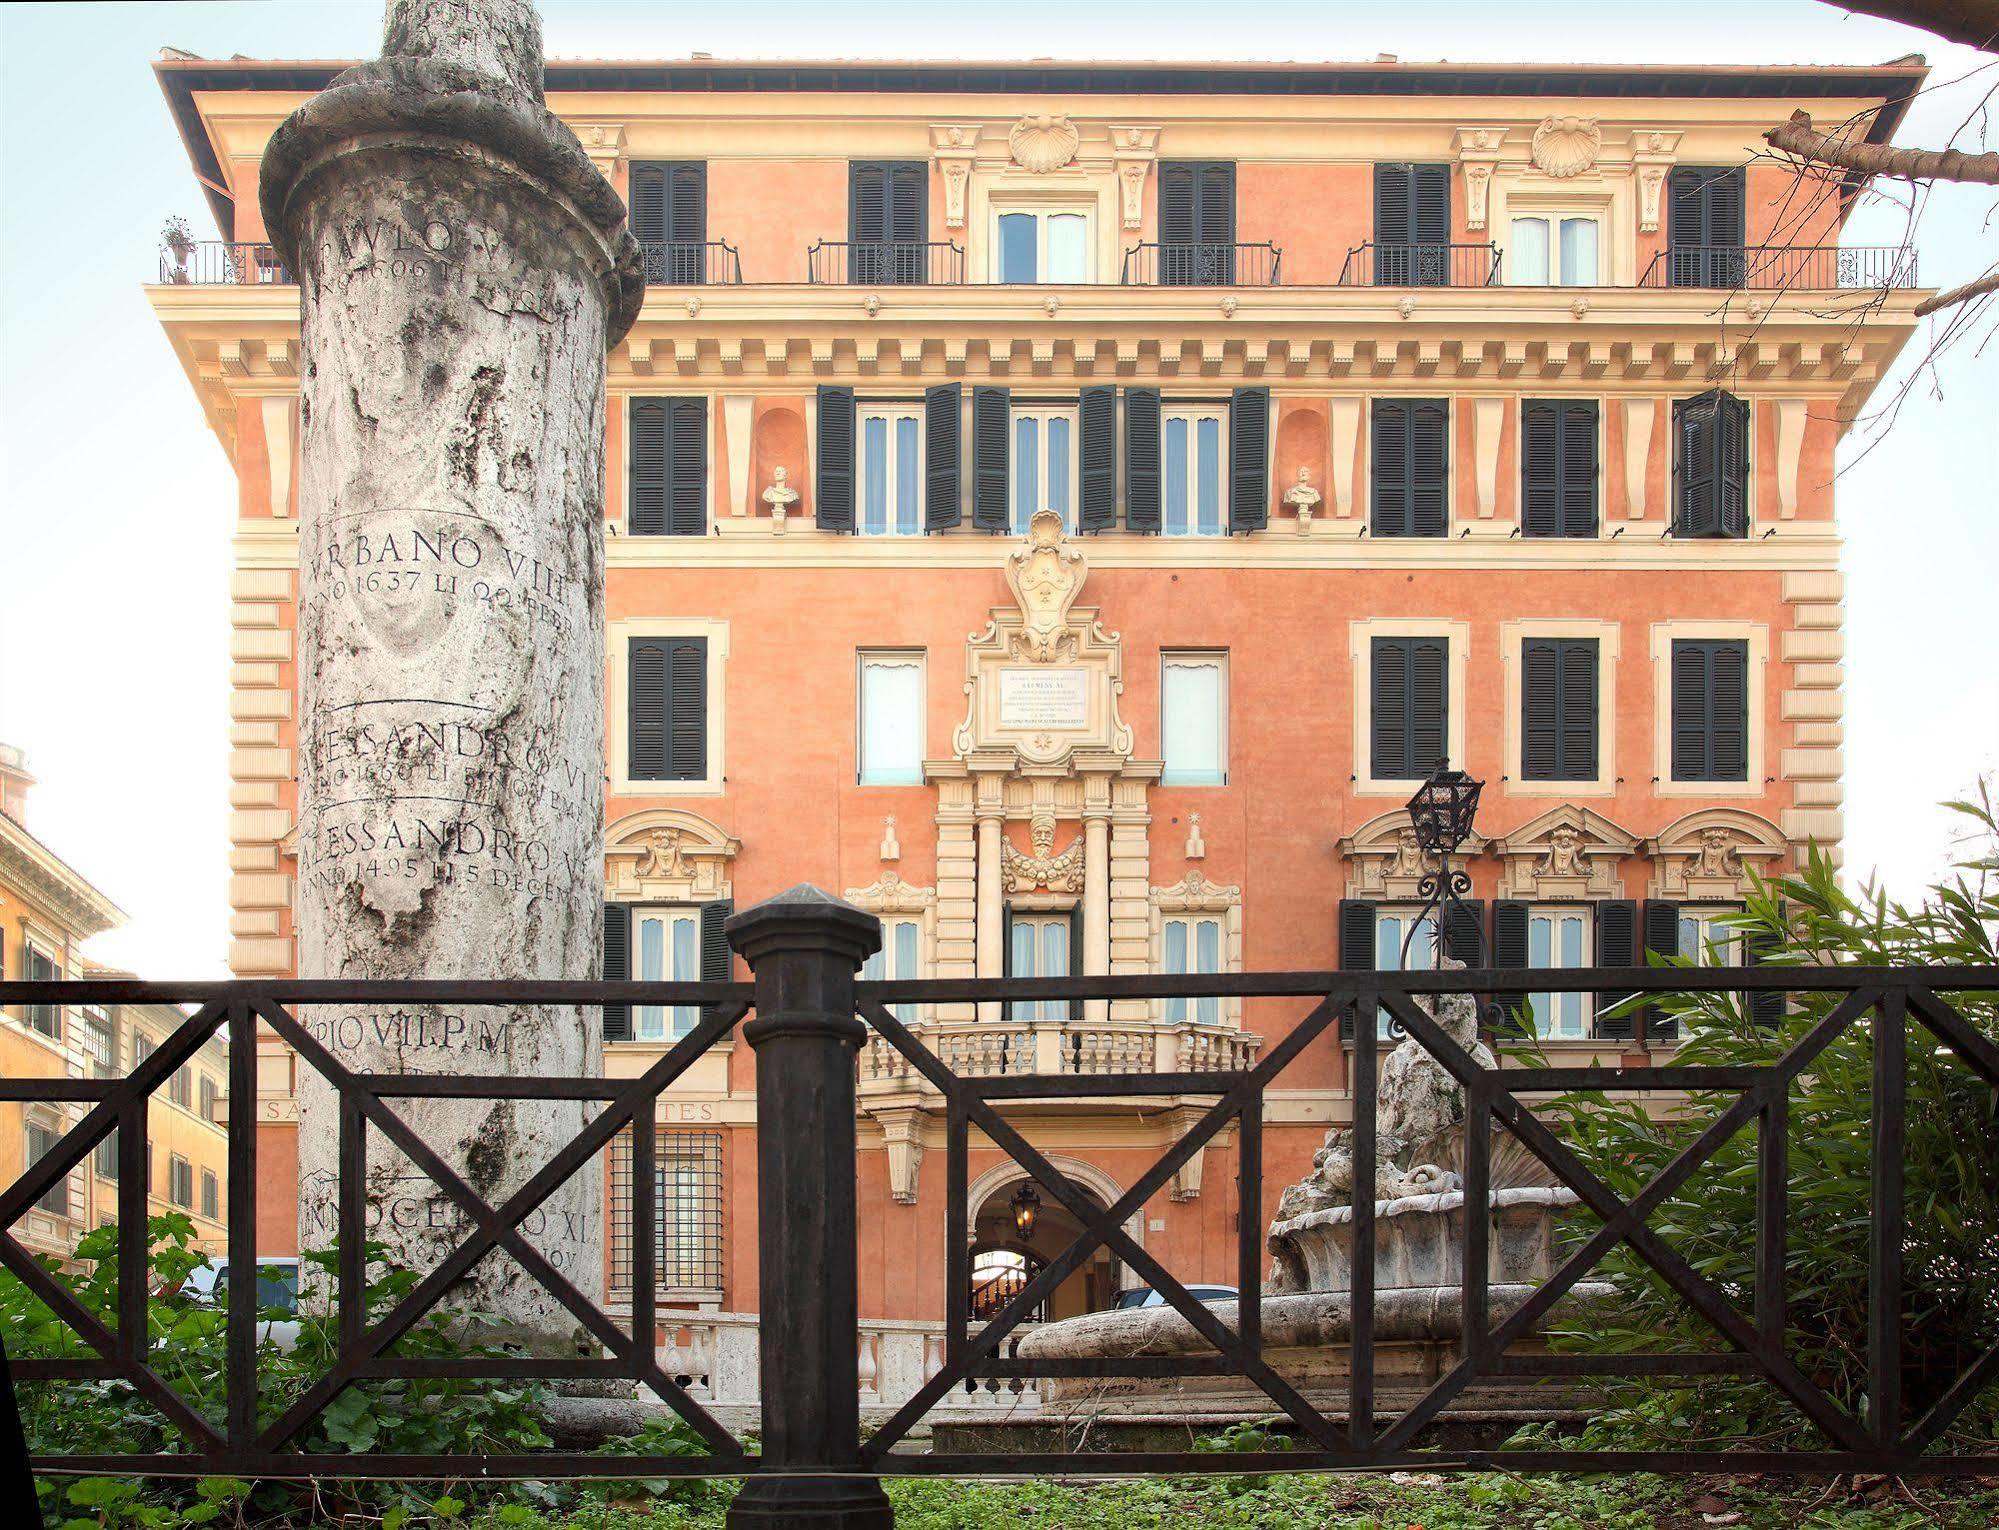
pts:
pixel 804 948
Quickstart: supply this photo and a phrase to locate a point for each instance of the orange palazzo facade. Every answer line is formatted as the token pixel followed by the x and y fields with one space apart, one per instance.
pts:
pixel 1384 413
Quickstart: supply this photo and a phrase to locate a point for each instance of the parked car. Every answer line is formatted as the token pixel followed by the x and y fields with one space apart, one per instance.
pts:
pixel 1145 1296
pixel 277 1291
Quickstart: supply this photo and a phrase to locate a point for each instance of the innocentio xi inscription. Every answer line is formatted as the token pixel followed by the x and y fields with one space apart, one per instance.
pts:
pixel 463 269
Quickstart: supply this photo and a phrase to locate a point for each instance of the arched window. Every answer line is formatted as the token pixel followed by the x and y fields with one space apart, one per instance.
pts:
pixel 1000 1274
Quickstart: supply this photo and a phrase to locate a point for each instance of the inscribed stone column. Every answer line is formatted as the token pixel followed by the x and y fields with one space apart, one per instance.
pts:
pixel 462 270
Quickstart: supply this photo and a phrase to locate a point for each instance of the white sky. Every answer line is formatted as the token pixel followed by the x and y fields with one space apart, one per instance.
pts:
pixel 118 503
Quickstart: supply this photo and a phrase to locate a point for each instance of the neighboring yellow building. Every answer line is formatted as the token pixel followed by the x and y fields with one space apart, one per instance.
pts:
pixel 47 911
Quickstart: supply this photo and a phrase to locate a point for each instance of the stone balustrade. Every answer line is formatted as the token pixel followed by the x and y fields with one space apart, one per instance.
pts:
pixel 978 1049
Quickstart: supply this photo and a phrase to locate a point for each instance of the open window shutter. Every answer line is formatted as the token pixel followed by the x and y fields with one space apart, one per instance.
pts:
pixel 1215 205
pixel 645 710
pixel 1141 460
pixel 1765 1006
pixel 649 203
pixel 991 415
pixel 867 203
pixel 1731 429
pixel 1540 470
pixel 943 427
pixel 687 202
pixel 908 202
pixel 687 709
pixel 1616 946
pixel 1689 712
pixel 1389 721
pixel 1509 954
pixel 645 502
pixel 716 957
pixel 1388 468
pixel 1097 425
pixel 687 468
pixel 1249 459
pixel 1661 928
pixel 1697 486
pixel 1575 708
pixel 1356 945
pixel 1576 512
pixel 1540 705
pixel 1430 464
pixel 833 482
pixel 617 1018
pixel 1429 705
pixel 1464 933
pixel 1176 203
pixel 1728 711
pixel 1394 222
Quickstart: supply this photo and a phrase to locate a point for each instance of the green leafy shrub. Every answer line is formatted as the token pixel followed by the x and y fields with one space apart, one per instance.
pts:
pixel 1950 1167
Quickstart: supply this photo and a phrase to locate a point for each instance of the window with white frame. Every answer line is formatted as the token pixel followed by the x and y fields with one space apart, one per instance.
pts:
pixel 1554 250
pixel 1040 945
pixel 1192 943
pixel 1041 244
pixel 889 461
pixel 666 949
pixel 900 957
pixel 1707 938
pixel 180 1181
pixel 687 1211
pixel 891 719
pixel 1043 466
pixel 1393 929
pixel 1193 719
pixel 1557 939
pixel 1193 464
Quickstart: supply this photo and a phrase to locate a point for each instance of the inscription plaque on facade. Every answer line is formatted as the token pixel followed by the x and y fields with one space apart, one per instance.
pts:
pixel 1044 698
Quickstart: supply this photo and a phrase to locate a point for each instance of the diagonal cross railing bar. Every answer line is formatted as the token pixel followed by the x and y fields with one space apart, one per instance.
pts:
pixel 499 1228
pixel 1948 1026
pixel 1622 1222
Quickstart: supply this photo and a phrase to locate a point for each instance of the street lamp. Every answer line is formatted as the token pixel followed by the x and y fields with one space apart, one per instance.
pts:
pixel 1026 1212
pixel 1441 814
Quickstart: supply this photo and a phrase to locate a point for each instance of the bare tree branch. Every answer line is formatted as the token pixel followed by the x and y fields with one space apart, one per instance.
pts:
pixel 1799 137
pixel 1975 23
pixel 1989 282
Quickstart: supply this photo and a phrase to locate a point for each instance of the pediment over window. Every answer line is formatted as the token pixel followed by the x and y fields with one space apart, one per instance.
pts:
pixel 1195 894
pixel 889 894
pixel 1708 855
pixel 668 855
pixel 1565 854
pixel 1383 861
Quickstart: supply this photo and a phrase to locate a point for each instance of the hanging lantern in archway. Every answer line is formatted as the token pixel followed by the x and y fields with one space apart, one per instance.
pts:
pixel 1026 1211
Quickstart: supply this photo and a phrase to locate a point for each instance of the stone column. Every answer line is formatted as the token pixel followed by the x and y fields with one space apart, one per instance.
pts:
pixel 1096 904
pixel 992 905
pixel 463 269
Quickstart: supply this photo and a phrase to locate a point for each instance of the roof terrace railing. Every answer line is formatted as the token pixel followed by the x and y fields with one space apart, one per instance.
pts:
pixel 891 262
pixel 1783 267
pixel 1421 265
pixel 1203 263
pixel 211 262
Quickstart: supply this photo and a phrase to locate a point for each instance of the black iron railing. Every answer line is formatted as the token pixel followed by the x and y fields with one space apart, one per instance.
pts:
pixel 1203 263
pixel 1421 265
pixel 210 262
pixel 894 263
pixel 684 263
pixel 811 1017
pixel 1782 267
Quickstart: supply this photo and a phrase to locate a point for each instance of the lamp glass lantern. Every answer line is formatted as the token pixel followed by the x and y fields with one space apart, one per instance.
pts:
pixel 1026 1206
pixel 1443 809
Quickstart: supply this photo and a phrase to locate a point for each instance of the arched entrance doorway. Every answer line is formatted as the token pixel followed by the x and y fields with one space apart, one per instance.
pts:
pixel 1004 1259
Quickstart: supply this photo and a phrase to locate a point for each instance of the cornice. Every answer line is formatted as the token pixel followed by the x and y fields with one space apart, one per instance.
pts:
pixel 45 880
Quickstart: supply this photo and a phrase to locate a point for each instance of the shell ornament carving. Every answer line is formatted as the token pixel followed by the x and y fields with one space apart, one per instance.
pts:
pixel 1042 144
pixel 1566 146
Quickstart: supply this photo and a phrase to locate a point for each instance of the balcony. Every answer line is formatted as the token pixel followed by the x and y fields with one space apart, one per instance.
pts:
pixel 682 263
pixel 1421 265
pixel 891 263
pixel 1782 268
pixel 210 262
pixel 1203 264
pixel 1071 1048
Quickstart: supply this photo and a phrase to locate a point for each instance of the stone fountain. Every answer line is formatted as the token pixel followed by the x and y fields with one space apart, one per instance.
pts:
pixel 1307 1306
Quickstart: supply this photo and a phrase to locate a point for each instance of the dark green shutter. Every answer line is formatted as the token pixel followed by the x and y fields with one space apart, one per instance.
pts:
pixel 1558 468
pixel 1616 946
pixel 1464 933
pixel 1409 717
pixel 943 424
pixel 833 482
pixel 687 709
pixel 617 1018
pixel 687 467
pixel 1558 714
pixel 645 488
pixel 887 220
pixel 1412 225
pixel 1709 711
pixel 1711 466
pixel 1660 922
pixel 1197 222
pixel 991 420
pixel 1765 1006
pixel 867 202
pixel 648 203
pixel 669 218
pixel 1176 202
pixel 646 711
pixel 1141 460
pixel 1388 468
pixel 1409 467
pixel 1356 945
pixel 717 958
pixel 1249 459
pixel 1732 464
pixel 1509 954
pixel 1097 426
pixel 1388 710
pixel 1430 465
pixel 1705 225
pixel 1429 705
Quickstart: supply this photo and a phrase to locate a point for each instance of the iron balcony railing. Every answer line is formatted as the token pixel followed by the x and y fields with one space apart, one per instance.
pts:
pixel 1783 267
pixel 1203 263
pixel 685 263
pixel 1421 265
pixel 892 263
pixel 211 262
